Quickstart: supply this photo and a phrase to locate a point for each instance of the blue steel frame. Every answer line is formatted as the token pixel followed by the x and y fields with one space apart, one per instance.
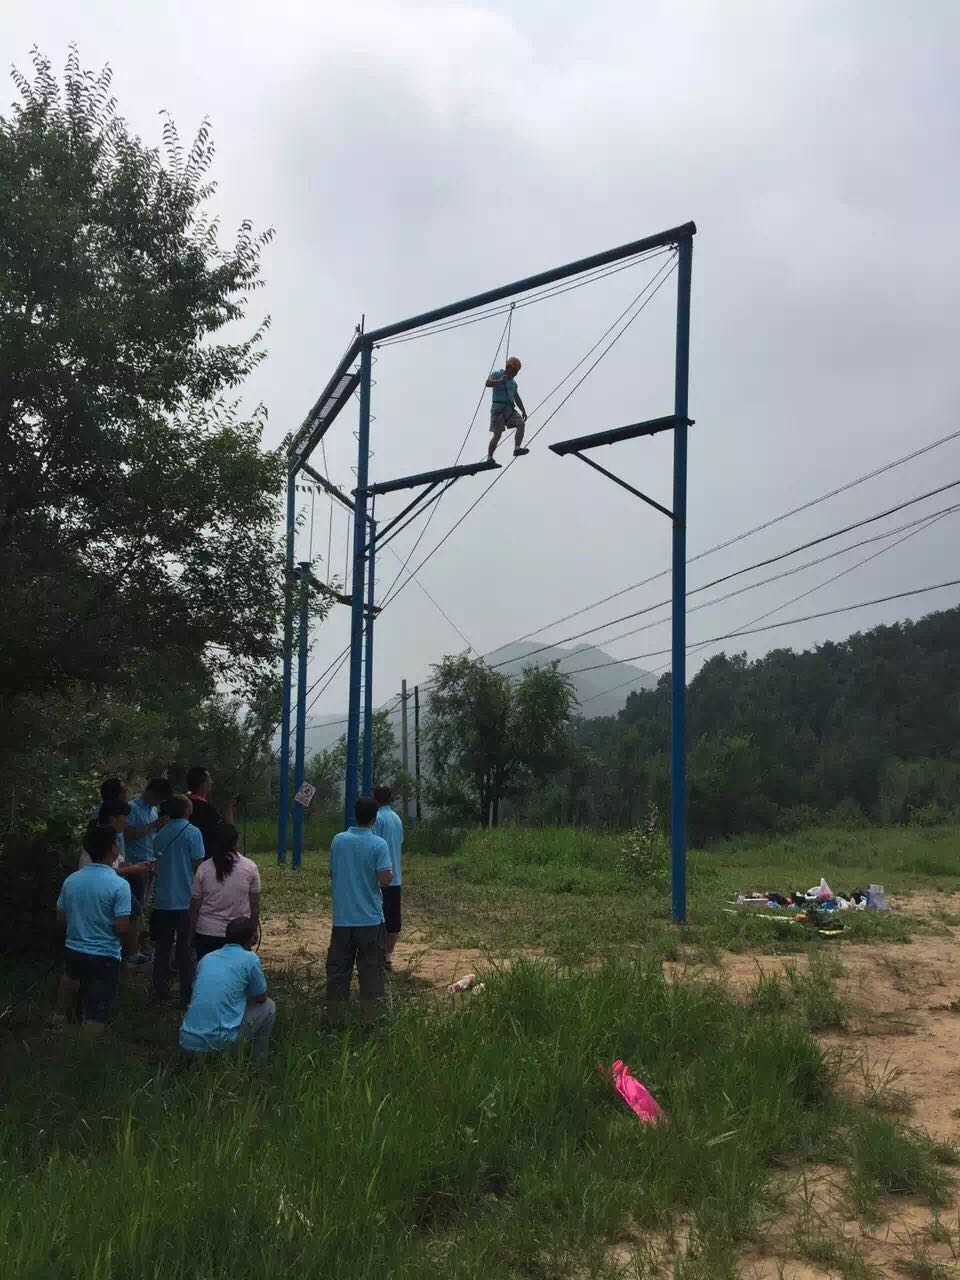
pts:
pixel 344 381
pixel 678 423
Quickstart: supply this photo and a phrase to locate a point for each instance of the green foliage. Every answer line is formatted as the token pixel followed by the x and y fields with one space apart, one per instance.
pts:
pixel 139 513
pixel 490 737
pixel 141 568
pixel 864 730
pixel 644 855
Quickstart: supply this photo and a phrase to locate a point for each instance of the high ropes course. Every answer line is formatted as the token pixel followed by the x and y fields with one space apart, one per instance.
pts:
pixel 353 377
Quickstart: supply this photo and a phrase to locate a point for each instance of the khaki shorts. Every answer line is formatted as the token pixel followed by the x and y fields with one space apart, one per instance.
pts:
pixel 505 420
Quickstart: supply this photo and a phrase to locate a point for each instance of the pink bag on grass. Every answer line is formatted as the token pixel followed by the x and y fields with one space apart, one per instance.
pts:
pixel 638 1098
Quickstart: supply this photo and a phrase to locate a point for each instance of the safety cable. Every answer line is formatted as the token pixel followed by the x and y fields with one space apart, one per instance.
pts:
pixel 503 471
pixel 551 291
pixel 504 338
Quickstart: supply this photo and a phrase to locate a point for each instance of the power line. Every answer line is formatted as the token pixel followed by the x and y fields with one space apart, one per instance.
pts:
pixel 748 533
pixel 925 523
pixel 758 564
pixel 788 622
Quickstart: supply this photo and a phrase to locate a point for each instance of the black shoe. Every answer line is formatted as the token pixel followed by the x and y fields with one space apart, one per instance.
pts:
pixel 520 453
pixel 493 462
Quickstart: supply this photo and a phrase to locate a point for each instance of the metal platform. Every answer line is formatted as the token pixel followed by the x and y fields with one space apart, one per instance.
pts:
pixel 652 427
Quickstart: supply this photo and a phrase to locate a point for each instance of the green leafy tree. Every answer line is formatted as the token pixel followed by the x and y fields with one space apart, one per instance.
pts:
pixel 138 513
pixel 490 737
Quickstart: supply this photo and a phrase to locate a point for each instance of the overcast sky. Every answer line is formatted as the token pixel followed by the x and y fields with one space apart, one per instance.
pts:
pixel 409 154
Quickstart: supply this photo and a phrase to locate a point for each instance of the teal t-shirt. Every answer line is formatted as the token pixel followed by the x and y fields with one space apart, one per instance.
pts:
pixel 504 393
pixel 355 858
pixel 218 1005
pixel 178 849
pixel 389 827
pixel 92 899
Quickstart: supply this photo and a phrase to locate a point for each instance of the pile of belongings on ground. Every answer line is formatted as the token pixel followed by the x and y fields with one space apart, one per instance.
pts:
pixel 818 907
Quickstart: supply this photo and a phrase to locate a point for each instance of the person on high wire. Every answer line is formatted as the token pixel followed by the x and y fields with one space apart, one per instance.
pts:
pixel 506 408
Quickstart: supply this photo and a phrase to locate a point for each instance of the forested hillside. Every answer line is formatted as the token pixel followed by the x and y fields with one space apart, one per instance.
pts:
pixel 869 727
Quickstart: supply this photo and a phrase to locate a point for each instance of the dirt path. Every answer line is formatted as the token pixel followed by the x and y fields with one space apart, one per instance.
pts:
pixel 904 1003
pixel 905 1018
pixel 301 941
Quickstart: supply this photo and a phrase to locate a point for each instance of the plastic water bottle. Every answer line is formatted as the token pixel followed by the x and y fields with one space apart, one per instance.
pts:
pixel 461 984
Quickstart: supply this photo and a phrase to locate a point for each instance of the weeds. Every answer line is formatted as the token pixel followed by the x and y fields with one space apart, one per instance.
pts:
pixel 821 1005
pixel 881 1087
pixel 490 1126
pixel 889 1158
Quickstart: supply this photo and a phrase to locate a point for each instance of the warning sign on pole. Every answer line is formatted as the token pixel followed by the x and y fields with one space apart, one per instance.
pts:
pixel 305 795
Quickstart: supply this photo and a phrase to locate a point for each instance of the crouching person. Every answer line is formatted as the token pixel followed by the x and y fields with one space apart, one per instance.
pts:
pixel 94 904
pixel 229 1004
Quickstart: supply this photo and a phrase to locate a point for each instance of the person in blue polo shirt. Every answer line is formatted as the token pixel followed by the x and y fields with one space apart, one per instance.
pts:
pixel 94 904
pixel 389 827
pixel 178 849
pixel 143 821
pixel 360 867
pixel 230 1001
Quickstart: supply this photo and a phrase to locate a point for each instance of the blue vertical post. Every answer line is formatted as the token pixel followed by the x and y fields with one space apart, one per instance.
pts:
pixel 283 815
pixel 299 766
pixel 357 605
pixel 368 668
pixel 678 737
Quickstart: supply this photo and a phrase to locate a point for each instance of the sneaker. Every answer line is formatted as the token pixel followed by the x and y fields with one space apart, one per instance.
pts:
pixel 520 453
pixel 138 961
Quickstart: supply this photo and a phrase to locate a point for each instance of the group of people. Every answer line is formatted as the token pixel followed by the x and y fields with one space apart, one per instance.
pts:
pixel 176 854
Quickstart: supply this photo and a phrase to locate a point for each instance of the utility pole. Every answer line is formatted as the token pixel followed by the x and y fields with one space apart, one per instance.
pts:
pixel 416 746
pixel 404 753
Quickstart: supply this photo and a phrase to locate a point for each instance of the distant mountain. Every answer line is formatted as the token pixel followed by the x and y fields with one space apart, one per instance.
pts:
pixel 595 690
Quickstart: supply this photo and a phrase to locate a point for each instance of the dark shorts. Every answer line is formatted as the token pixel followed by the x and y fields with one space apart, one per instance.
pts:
pixel 138 892
pixel 98 977
pixel 392 918
pixel 365 948
pixel 204 943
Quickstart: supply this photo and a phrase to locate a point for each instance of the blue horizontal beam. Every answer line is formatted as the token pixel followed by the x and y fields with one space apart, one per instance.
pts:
pixel 651 427
pixel 431 477
pixel 662 238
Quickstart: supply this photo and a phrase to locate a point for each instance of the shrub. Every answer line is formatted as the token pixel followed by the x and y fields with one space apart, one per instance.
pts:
pixel 643 854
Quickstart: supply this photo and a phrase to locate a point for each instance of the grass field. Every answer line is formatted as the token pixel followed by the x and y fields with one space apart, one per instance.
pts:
pixel 520 888
pixel 480 1140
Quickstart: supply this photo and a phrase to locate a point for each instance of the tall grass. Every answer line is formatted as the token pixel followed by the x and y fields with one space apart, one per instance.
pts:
pixel 479 1142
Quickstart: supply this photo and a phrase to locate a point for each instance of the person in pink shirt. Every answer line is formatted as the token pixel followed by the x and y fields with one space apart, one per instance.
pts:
pixel 226 887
